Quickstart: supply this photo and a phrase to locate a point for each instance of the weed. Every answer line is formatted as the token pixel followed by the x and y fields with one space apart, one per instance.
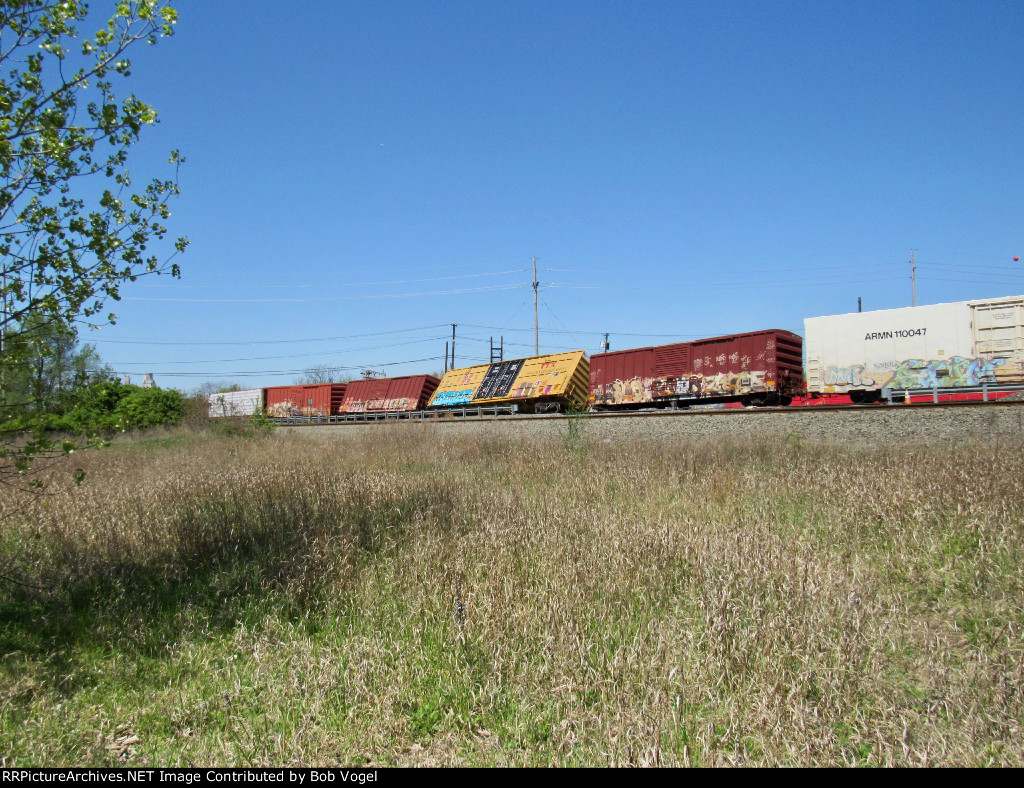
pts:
pixel 408 600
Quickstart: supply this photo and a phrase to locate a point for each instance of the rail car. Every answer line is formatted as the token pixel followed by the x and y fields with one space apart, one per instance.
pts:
pixel 906 353
pixel 389 395
pixel 756 368
pixel 939 352
pixel 244 402
pixel 320 399
pixel 540 384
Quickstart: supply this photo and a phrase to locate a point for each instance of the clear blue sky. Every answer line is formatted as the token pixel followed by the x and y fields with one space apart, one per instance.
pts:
pixel 362 174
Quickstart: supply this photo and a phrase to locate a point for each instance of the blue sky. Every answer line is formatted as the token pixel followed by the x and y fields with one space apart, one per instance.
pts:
pixel 360 175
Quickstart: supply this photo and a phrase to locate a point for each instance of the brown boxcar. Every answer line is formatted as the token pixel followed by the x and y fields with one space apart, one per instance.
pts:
pixel 382 395
pixel 760 367
pixel 321 399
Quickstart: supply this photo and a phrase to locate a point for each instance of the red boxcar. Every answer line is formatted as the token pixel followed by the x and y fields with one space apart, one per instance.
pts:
pixel 321 399
pixel 761 367
pixel 382 395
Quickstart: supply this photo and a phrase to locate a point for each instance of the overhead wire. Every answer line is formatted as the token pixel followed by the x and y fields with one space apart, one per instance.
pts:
pixel 267 341
pixel 324 299
pixel 290 355
pixel 250 373
pixel 319 285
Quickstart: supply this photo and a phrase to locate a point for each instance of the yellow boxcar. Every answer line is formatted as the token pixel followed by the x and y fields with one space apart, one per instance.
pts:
pixel 557 381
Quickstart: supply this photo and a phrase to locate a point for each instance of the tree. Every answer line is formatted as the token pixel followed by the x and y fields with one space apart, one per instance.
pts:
pixel 73 226
pixel 322 373
pixel 110 405
pixel 204 390
pixel 52 365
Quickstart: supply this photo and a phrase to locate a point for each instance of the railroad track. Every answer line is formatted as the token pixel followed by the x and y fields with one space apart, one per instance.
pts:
pixel 509 413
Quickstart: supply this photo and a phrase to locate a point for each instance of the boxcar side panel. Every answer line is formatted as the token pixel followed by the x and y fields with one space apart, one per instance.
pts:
pixel 754 363
pixel 556 377
pixel 458 386
pixel 998 326
pixel 321 399
pixel 908 348
pixel 382 395
pixel 235 403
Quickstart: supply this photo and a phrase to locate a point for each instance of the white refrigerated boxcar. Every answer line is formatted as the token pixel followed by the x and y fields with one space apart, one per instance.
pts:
pixel 236 403
pixel 962 344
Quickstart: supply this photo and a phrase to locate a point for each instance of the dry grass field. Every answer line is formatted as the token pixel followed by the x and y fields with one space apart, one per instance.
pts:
pixel 397 600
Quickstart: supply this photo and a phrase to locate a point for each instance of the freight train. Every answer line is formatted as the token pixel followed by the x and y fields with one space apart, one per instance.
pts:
pixel 967 349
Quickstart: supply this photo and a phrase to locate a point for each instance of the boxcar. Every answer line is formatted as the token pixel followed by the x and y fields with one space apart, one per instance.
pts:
pixel 383 395
pixel 321 399
pixel 937 346
pixel 539 384
pixel 236 403
pixel 760 368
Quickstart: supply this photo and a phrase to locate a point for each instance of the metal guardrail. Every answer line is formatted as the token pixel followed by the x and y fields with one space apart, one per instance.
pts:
pixel 494 411
pixel 936 392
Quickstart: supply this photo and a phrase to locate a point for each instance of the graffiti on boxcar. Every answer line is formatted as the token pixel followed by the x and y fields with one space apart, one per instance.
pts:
pixel 380 404
pixel 847 376
pixel 735 383
pixel 281 409
pixel 952 372
pixel 450 398
pixel 624 391
pixel 640 390
pixel 287 408
pixel 527 389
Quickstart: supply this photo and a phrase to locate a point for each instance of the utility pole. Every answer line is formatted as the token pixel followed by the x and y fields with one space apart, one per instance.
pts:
pixel 913 280
pixel 445 356
pixel 453 345
pixel 859 305
pixel 536 330
pixel 605 346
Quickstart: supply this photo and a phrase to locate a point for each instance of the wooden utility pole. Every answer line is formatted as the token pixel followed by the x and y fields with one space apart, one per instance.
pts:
pixel 453 345
pixel 536 330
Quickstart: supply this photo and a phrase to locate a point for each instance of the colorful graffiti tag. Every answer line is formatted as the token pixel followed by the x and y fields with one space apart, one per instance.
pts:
pixel 952 372
pixel 640 390
pixel 288 408
pixel 380 404
pixel 450 398
pixel 848 376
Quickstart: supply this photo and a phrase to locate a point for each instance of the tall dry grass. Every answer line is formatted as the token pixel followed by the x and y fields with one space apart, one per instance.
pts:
pixel 403 600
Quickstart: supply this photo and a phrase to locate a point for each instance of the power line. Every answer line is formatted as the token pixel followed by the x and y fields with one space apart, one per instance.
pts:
pixel 265 341
pixel 326 298
pixel 319 286
pixel 267 358
pixel 255 372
